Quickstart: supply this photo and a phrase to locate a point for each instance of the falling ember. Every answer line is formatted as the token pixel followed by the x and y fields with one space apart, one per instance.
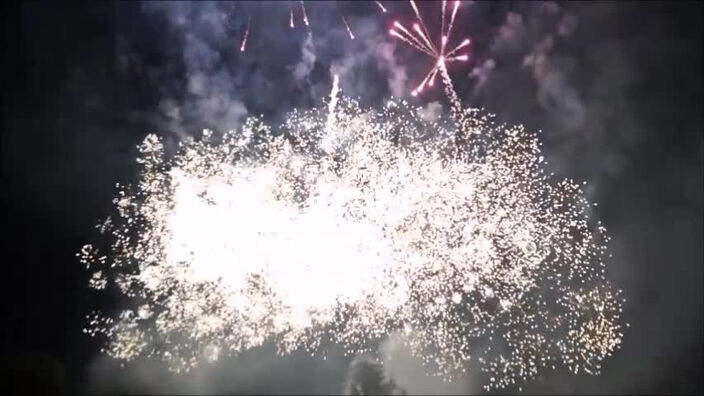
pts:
pixel 351 224
pixel 290 19
pixel 246 34
pixel 381 6
pixel 347 26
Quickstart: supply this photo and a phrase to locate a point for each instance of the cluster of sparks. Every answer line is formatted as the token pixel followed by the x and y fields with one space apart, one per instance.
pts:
pixel 420 39
pixel 350 224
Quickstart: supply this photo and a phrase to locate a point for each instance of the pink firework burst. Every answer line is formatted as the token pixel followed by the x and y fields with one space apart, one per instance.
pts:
pixel 419 38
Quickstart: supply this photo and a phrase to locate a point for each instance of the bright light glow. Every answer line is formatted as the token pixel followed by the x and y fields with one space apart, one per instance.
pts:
pixel 350 225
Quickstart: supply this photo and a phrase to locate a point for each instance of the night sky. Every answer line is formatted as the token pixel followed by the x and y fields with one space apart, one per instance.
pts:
pixel 614 87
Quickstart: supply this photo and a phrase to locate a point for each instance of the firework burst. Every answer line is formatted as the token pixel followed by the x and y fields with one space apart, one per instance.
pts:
pixel 350 225
pixel 419 38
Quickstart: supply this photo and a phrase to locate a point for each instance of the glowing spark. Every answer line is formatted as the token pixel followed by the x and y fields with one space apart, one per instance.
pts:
pixel 246 34
pixel 425 38
pixel 381 6
pixel 290 20
pixel 351 224
pixel 303 11
pixel 332 104
pixel 349 31
pixel 420 19
pixel 426 79
pixel 463 44
pixel 418 44
pixel 411 43
pixel 442 24
pixel 432 78
pixel 452 18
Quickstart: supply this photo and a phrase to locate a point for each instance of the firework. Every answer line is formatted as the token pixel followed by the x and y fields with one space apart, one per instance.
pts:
pixel 347 226
pixel 347 26
pixel 246 34
pixel 381 6
pixel 420 39
pixel 290 19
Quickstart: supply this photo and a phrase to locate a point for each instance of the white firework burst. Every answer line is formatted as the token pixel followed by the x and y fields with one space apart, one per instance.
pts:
pixel 352 224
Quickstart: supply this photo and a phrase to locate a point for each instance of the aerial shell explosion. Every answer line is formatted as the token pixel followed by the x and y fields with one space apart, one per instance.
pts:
pixel 347 225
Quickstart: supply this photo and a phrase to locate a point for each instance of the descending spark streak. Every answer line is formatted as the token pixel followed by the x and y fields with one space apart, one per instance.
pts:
pixel 442 24
pixel 425 80
pixel 347 226
pixel 246 34
pixel 303 11
pixel 425 38
pixel 347 26
pixel 432 78
pixel 463 44
pixel 290 19
pixel 420 86
pixel 422 24
pixel 452 18
pixel 411 43
pixel 381 6
pixel 421 46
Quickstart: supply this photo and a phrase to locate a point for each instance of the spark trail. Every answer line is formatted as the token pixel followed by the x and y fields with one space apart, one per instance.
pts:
pixel 290 19
pixel 246 34
pixel 347 226
pixel 303 12
pixel 381 6
pixel 347 26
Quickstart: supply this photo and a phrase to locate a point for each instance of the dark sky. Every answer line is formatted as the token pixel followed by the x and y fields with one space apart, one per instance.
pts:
pixel 615 88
